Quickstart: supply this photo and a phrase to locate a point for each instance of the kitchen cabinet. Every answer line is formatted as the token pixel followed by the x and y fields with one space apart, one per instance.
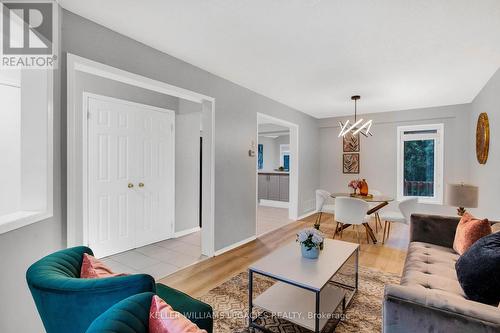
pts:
pixel 273 186
pixel 284 187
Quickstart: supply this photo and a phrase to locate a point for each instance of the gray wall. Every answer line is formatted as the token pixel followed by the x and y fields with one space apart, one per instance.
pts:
pixel 187 165
pixel 235 118
pixel 235 182
pixel 487 176
pixel 378 153
pixel 102 86
pixel 21 247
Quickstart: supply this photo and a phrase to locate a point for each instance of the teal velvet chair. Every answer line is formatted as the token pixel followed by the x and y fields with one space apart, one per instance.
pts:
pixel 68 303
pixel 128 316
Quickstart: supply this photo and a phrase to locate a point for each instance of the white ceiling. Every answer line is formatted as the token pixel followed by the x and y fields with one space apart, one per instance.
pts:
pixel 313 55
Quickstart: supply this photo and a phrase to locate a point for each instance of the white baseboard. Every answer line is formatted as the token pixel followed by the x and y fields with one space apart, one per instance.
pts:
pixel 312 212
pixel 235 245
pixel 186 232
pixel 272 203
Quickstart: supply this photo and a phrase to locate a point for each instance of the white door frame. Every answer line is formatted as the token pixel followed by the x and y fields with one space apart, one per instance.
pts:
pixel 293 208
pixel 77 139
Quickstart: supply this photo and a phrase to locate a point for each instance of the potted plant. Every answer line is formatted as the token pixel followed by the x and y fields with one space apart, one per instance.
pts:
pixel 311 242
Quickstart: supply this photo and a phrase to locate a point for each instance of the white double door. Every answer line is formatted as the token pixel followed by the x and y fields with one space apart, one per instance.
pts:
pixel 131 158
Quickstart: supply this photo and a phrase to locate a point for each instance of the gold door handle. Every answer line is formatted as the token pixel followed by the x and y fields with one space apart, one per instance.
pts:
pixel 130 185
pixel 141 184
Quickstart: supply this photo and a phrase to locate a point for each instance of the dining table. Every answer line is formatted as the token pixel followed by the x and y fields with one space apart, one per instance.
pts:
pixel 380 200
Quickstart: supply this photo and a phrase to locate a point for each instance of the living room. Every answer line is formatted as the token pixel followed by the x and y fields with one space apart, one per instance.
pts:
pixel 392 164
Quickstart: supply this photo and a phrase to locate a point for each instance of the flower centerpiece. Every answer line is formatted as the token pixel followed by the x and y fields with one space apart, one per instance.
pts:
pixel 355 184
pixel 311 242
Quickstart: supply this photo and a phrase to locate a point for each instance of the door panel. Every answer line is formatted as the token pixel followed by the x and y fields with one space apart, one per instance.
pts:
pixel 262 187
pixel 284 187
pixel 157 170
pixel 129 144
pixel 274 187
pixel 109 211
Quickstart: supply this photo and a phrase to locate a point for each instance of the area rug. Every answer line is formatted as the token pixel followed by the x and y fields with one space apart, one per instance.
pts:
pixel 230 303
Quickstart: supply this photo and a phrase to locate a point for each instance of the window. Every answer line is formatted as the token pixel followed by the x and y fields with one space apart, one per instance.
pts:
pixel 285 156
pixel 25 147
pixel 420 163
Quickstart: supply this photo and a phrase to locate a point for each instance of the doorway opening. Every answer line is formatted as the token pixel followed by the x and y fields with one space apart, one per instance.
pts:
pixel 143 137
pixel 277 173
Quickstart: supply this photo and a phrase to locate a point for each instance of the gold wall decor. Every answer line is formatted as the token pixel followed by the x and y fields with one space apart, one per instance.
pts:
pixel 482 138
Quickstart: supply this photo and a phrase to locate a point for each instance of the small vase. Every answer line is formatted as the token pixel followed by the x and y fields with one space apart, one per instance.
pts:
pixel 364 188
pixel 309 253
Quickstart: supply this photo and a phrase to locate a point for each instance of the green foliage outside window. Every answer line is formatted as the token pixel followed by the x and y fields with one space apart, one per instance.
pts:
pixel 419 168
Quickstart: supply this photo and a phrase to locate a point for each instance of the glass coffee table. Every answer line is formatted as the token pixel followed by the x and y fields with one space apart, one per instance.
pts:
pixel 307 292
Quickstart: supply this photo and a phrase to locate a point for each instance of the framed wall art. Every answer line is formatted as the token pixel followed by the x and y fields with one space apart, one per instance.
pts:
pixel 351 143
pixel 350 163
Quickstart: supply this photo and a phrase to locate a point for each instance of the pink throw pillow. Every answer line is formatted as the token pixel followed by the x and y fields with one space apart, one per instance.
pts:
pixel 469 230
pixel 164 319
pixel 95 269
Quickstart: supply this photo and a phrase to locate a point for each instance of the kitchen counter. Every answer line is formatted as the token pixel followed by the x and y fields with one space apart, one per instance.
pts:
pixel 273 172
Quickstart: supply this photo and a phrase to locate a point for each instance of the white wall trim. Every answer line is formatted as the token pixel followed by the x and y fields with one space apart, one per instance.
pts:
pixel 273 203
pixel 181 233
pixel 235 245
pixel 439 162
pixel 76 124
pixel 95 68
pixel 21 219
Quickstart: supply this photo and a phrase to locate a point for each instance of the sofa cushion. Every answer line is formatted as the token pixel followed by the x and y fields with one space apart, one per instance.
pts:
pixel 432 267
pixel 469 230
pixel 478 270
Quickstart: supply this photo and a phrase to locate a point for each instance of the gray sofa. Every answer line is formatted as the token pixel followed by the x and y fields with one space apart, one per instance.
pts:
pixel 429 297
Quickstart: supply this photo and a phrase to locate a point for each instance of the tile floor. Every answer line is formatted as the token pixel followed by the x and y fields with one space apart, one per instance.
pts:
pixel 159 259
pixel 166 257
pixel 271 218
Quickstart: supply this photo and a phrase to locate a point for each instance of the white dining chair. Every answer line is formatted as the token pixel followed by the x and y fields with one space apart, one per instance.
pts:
pixel 376 215
pixel 324 204
pixel 350 211
pixel 406 208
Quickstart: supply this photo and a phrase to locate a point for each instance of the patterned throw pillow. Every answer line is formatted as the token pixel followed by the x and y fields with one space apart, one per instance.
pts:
pixel 469 230
pixel 93 268
pixel 164 319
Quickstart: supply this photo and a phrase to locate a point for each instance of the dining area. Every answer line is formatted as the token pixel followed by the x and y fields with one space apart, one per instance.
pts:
pixel 367 213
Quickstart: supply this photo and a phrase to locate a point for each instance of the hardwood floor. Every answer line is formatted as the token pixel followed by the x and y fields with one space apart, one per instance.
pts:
pixel 198 279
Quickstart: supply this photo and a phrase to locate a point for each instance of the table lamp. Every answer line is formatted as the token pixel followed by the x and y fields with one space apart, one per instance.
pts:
pixel 462 196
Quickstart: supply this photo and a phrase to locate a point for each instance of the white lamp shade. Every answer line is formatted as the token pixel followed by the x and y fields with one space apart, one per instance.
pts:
pixel 462 195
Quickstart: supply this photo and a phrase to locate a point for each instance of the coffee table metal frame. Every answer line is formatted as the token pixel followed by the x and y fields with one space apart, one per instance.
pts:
pixel 317 314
